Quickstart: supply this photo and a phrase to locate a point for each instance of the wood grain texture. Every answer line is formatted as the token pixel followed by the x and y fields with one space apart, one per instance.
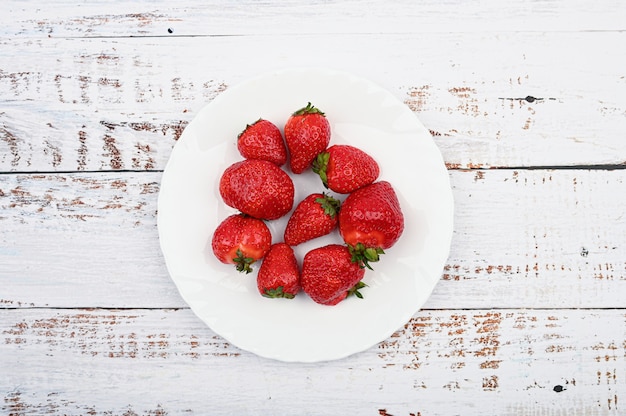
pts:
pixel 219 17
pixel 528 317
pixel 523 238
pixel 502 362
pixel 110 104
pixel 85 241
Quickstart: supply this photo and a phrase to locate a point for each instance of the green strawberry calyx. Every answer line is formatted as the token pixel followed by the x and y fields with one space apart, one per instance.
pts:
pixel 279 292
pixel 329 204
pixel 355 290
pixel 320 166
pixel 309 109
pixel 243 263
pixel 365 255
pixel 247 127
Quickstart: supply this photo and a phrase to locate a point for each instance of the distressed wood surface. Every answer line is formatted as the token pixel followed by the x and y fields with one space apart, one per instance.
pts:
pixel 249 17
pixel 525 99
pixel 523 238
pixel 487 362
pixel 490 100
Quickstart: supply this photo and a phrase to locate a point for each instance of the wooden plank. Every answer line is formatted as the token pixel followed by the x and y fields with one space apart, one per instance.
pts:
pixel 161 18
pixel 80 239
pixel 110 104
pixel 554 238
pixel 527 238
pixel 504 362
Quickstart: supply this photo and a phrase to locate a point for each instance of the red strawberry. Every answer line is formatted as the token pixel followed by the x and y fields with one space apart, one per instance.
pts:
pixel 307 133
pixel 314 216
pixel 329 275
pixel 344 168
pixel 258 188
pixel 279 275
pixel 241 240
pixel 262 140
pixel 371 220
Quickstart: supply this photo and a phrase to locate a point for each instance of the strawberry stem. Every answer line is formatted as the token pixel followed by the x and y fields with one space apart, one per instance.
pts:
pixel 320 166
pixel 355 290
pixel 329 204
pixel 243 263
pixel 279 292
pixel 309 109
pixel 248 126
pixel 365 255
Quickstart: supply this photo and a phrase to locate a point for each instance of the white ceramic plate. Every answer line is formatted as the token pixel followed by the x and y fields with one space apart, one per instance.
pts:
pixel 189 208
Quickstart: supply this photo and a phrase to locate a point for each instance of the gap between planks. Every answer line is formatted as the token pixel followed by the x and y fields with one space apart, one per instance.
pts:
pixel 177 308
pixel 449 166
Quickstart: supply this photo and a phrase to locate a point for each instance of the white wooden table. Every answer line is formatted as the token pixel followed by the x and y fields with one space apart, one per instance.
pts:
pixel 525 99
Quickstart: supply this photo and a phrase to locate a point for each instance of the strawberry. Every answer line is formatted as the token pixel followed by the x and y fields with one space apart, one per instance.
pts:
pixel 258 188
pixel 329 275
pixel 314 216
pixel 307 133
pixel 370 221
pixel 345 168
pixel 262 140
pixel 241 240
pixel 279 275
